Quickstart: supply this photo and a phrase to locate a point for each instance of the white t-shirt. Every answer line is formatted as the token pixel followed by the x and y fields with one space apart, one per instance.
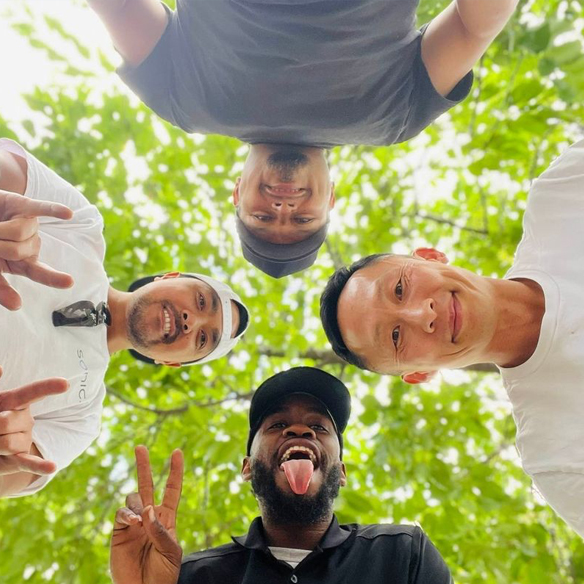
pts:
pixel 291 556
pixel 547 391
pixel 31 348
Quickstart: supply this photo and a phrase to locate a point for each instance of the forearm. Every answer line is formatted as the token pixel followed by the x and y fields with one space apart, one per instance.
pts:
pixel 15 483
pixel 102 7
pixel 485 18
pixel 135 26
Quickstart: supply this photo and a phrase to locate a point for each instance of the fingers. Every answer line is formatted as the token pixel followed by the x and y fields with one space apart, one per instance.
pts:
pixel 9 297
pixel 134 503
pixel 15 443
pixel 26 463
pixel 145 484
pixel 19 229
pixel 160 537
pixel 41 273
pixel 174 483
pixel 20 206
pixel 15 421
pixel 125 517
pixel 15 251
pixel 17 399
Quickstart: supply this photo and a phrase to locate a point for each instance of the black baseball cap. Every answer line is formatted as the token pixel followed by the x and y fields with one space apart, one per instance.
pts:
pixel 279 259
pixel 331 392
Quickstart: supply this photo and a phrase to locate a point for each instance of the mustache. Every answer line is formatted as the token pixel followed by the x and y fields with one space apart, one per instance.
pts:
pixel 286 162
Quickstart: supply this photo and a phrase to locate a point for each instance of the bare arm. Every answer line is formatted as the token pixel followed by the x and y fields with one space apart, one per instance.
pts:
pixel 12 173
pixel 458 37
pixel 135 26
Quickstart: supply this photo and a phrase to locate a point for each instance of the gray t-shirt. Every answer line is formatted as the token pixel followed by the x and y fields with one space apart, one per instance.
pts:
pixel 310 72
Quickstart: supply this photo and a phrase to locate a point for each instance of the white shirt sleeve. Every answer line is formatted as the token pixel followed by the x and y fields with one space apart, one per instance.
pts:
pixel 555 209
pixel 564 491
pixel 65 436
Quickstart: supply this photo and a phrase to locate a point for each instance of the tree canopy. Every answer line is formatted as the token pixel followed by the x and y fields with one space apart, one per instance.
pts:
pixel 440 454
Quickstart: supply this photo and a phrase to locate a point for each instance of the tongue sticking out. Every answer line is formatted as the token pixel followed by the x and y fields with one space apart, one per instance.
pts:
pixel 298 473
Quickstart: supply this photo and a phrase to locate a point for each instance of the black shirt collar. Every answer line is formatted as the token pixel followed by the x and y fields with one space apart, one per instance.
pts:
pixel 255 538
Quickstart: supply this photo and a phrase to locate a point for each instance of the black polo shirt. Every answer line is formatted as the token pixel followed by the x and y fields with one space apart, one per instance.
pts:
pixel 389 554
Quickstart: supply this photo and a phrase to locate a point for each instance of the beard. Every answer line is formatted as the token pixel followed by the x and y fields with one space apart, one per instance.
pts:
pixel 286 162
pixel 283 508
pixel 136 327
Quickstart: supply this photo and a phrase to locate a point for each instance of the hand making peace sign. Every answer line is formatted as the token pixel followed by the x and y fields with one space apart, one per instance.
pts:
pixel 20 244
pixel 144 548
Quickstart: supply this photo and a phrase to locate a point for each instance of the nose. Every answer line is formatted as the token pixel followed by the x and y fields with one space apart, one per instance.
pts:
pixel 299 430
pixel 187 321
pixel 284 206
pixel 422 315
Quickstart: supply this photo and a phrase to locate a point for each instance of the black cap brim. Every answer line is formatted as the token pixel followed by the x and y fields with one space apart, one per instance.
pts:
pixel 326 388
pixel 279 259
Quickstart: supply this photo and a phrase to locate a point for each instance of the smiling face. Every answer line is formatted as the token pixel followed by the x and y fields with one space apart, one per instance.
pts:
pixel 284 193
pixel 175 320
pixel 415 315
pixel 299 429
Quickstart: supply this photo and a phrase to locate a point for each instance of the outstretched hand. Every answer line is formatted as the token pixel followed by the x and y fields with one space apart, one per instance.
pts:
pixel 16 423
pixel 20 244
pixel 144 548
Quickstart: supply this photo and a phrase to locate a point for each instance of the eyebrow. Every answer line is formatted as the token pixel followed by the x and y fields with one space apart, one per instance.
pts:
pixel 214 301
pixel 379 328
pixel 216 336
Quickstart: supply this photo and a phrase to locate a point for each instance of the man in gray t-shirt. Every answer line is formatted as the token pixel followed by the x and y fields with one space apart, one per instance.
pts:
pixel 292 78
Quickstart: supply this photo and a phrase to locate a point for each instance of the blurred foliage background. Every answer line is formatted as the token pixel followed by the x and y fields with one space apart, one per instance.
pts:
pixel 442 454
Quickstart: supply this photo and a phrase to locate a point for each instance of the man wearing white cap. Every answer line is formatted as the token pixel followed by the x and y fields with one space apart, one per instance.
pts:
pixel 69 335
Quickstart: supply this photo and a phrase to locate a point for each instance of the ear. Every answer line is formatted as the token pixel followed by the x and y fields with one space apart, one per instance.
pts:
pixel 431 254
pixel 343 474
pixel 168 363
pixel 235 193
pixel 332 199
pixel 167 276
pixel 418 377
pixel 246 469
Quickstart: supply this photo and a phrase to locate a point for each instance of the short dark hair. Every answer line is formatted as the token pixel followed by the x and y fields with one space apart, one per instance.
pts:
pixel 329 302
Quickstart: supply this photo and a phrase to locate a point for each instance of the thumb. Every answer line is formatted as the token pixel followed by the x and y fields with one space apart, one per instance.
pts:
pixel 159 535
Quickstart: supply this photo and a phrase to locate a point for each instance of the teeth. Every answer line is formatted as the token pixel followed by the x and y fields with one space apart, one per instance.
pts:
pixel 282 190
pixel 286 456
pixel 166 321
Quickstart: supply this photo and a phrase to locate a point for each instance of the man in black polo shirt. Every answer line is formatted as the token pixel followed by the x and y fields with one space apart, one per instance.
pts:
pixel 291 78
pixel 294 464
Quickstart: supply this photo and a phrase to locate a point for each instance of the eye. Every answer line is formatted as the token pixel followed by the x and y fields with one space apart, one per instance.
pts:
pixel 395 336
pixel 399 289
pixel 264 218
pixel 202 339
pixel 303 220
pixel 201 301
pixel 318 428
pixel 277 425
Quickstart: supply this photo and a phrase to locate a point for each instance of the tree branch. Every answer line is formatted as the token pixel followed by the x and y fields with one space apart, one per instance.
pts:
pixel 181 409
pixel 436 219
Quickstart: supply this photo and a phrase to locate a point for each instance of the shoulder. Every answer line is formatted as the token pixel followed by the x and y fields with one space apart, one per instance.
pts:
pixel 216 553
pixel 400 539
pixel 404 532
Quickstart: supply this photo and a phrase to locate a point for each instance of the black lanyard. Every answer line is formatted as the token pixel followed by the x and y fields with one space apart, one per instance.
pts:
pixel 82 313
